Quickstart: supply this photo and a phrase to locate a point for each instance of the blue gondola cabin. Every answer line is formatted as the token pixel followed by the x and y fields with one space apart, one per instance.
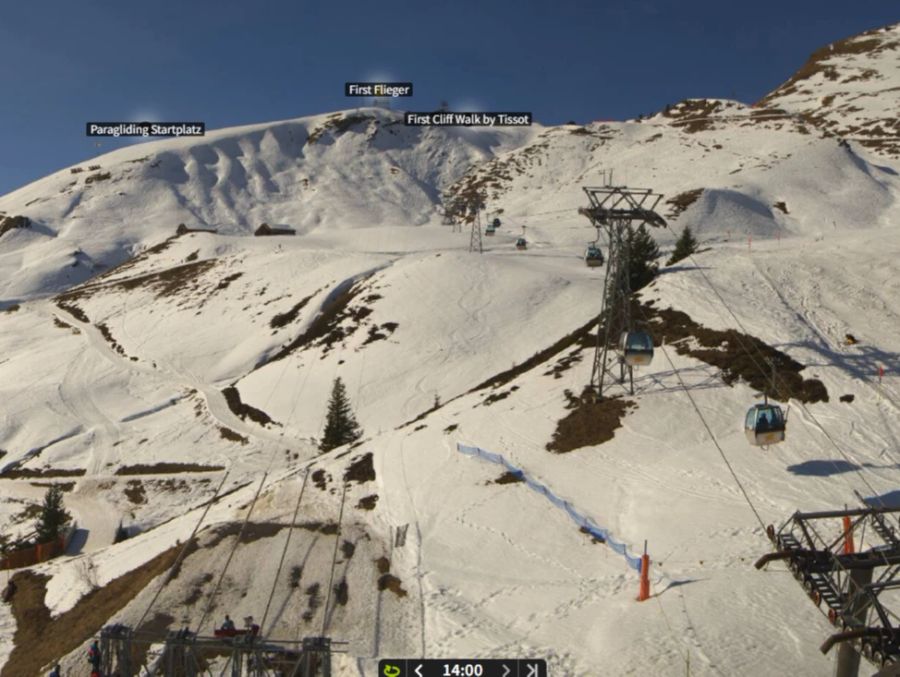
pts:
pixel 764 425
pixel 636 348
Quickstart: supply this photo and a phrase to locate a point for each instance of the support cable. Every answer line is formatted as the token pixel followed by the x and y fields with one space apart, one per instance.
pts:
pixel 183 552
pixel 858 468
pixel 713 437
pixel 337 539
pixel 287 542
pixel 237 542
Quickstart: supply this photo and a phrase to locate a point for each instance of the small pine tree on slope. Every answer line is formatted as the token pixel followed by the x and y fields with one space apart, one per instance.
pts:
pixel 684 247
pixel 340 424
pixel 53 517
pixel 643 252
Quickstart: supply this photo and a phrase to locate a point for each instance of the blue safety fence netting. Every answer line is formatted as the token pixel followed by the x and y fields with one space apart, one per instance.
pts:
pixel 586 522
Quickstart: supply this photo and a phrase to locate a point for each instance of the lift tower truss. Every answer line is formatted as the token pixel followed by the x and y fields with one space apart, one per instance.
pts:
pixel 186 654
pixel 617 211
pixel 847 562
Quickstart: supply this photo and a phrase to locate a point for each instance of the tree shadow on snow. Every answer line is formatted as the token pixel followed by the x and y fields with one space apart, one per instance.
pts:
pixel 861 361
pixel 681 268
pixel 822 468
pixel 889 500
pixel 826 468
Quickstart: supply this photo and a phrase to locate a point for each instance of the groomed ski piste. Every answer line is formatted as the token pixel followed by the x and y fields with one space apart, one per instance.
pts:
pixel 116 374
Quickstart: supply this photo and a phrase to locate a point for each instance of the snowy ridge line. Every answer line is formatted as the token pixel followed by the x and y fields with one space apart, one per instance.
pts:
pixel 582 521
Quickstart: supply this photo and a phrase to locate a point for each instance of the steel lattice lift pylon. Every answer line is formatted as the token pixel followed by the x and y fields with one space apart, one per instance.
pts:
pixel 185 654
pixel 824 551
pixel 617 210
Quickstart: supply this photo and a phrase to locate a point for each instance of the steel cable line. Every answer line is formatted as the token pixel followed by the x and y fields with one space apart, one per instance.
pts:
pixel 183 552
pixel 858 468
pixel 287 542
pixel 710 433
pixel 237 542
pixel 337 539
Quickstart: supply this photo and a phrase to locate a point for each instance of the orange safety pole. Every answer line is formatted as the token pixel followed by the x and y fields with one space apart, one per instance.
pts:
pixel 848 537
pixel 644 593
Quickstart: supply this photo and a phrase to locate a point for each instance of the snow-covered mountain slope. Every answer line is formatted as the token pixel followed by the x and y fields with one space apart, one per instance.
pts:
pixel 850 88
pixel 735 172
pixel 160 362
pixel 343 170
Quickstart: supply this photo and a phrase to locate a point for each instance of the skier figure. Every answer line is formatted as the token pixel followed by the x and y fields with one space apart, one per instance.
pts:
pixel 228 624
pixel 94 657
pixel 55 672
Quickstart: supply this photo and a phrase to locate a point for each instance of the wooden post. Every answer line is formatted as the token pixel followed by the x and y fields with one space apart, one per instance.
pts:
pixel 644 593
pixel 849 549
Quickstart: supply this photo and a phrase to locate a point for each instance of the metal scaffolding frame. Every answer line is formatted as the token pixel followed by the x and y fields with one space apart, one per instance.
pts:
pixel 829 562
pixel 186 654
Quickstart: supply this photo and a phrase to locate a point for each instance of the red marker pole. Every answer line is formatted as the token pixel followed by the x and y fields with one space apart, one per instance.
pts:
pixel 849 549
pixel 880 373
pixel 644 593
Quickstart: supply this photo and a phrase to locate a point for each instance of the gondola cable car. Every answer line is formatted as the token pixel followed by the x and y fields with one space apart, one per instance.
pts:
pixel 593 257
pixel 522 243
pixel 636 348
pixel 765 423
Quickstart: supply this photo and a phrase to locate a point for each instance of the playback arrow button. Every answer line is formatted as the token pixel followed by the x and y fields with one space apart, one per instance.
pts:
pixel 418 670
pixel 506 670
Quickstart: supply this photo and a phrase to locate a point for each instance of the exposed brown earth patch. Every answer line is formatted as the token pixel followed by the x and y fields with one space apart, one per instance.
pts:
pixel 737 355
pixel 284 319
pixel 242 410
pixel 682 201
pixel 361 470
pixel 392 583
pixel 40 640
pixel 337 124
pixel 367 502
pixel 336 321
pixel 166 469
pixel 134 492
pixel 232 436
pixel 510 477
pixel 24 473
pixel 8 223
pixel 589 423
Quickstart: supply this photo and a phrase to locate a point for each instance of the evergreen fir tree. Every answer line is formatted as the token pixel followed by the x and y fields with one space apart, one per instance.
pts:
pixel 53 517
pixel 643 252
pixel 684 247
pixel 340 425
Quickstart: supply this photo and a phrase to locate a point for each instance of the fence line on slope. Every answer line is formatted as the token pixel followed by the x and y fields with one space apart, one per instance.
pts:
pixel 581 520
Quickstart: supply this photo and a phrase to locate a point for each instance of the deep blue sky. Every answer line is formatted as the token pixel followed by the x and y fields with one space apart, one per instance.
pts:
pixel 227 62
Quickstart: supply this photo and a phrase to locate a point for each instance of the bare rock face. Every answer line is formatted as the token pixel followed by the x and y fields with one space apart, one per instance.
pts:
pixel 10 222
pixel 849 89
